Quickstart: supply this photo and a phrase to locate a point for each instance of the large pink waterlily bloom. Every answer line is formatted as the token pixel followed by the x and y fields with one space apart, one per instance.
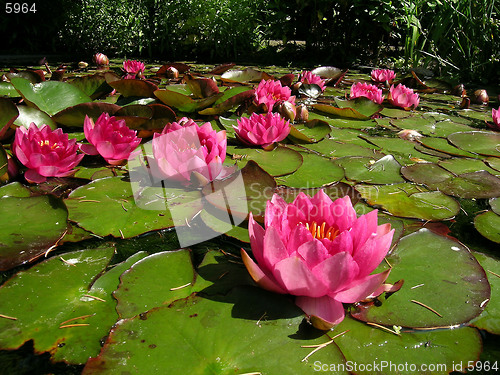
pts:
pixel 109 137
pixel 310 78
pixel 371 92
pixel 184 148
pixel 262 130
pixel 495 114
pixel 382 75
pixel 45 152
pixel 133 66
pixel 320 251
pixel 404 97
pixel 269 92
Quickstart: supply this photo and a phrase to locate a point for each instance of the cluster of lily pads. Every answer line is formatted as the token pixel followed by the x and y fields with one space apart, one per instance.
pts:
pixel 313 148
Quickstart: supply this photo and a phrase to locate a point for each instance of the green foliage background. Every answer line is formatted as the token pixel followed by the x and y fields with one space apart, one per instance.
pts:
pixel 457 37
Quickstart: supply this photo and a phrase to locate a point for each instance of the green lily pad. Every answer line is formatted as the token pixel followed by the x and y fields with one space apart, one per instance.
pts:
pixel 134 87
pixel 315 171
pixel 341 148
pixel 425 173
pixel 395 113
pixel 359 108
pixel 362 169
pixel 237 338
pixel 465 165
pixel 94 85
pixel 22 237
pixel 27 115
pixel 456 290
pixel 493 162
pixel 8 113
pixel 339 122
pixel 245 75
pixel 50 97
pixel 120 215
pixel 495 205
pixel 223 227
pixel 227 125
pixel 74 116
pixel 488 224
pixel 478 142
pixel 163 287
pixel 489 319
pixel 231 98
pixel 3 162
pixel 15 189
pixel 277 162
pixel 201 87
pixel 55 310
pixel 430 127
pixel 183 102
pixel 310 132
pixel 377 352
pixel 404 151
pixel 405 200
pixel 443 145
pixel 7 90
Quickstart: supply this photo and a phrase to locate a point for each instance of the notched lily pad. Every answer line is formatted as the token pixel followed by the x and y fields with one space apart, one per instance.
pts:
pixel 478 142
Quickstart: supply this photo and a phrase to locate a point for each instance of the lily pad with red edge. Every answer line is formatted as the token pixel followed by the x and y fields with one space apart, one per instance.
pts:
pixel 244 76
pixel 478 142
pixel 185 103
pixel 201 87
pixel 375 351
pixel 405 200
pixel 231 98
pixel 94 85
pixel 259 188
pixel 489 319
pixel 134 87
pixel 279 161
pixel 488 225
pixel 33 76
pixel 452 293
pixel 220 69
pixel 23 240
pixel 8 113
pixel 120 215
pixel 181 67
pixel 75 116
pixel 50 97
pixel 135 115
pixel 72 308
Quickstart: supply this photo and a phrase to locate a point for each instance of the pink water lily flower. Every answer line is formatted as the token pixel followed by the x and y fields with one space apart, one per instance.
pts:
pixel 133 66
pixel 495 113
pixel 383 75
pixel 262 130
pixel 109 137
pixel 310 78
pixel 45 152
pixel 371 92
pixel 269 92
pixel 184 149
pixel 319 251
pixel 404 97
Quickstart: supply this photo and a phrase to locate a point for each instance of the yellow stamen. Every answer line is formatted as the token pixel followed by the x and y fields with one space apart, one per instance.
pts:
pixel 318 231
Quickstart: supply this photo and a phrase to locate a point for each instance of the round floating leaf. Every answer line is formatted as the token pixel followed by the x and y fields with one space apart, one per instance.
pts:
pixel 327 72
pixel 237 337
pixel 362 169
pixel 430 127
pixel 375 351
pixel 27 115
pixel 362 105
pixel 94 85
pixel 479 142
pixel 340 148
pixel 405 200
pixel 338 122
pixel 201 87
pixel 15 189
pixel 465 165
pixel 404 151
pixel 310 132
pixel 493 163
pixel 167 276
pixel 7 90
pixel 490 317
pixel 183 102
pixel 8 113
pixel 425 173
pixel 443 145
pixel 488 224
pixel 246 75
pixel 231 98
pixel 474 185
pixel 134 87
pixel 315 171
pixel 495 205
pixel 75 116
pixel 277 162
pixel 29 227
pixel 395 113
pixel 120 215
pixel 456 290
pixel 50 97
pixel 51 306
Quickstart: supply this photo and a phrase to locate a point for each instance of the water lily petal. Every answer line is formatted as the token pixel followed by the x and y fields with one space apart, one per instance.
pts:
pixel 259 276
pixel 325 312
pixel 297 278
pixel 361 289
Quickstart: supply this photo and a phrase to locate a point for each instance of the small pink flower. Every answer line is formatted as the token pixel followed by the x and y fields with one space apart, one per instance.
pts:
pixel 310 78
pixel 262 130
pixel 101 59
pixel 371 92
pixel 133 66
pixel 45 152
pixel 185 148
pixel 110 138
pixel 318 250
pixel 404 97
pixel 383 75
pixel 269 92
pixel 495 113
